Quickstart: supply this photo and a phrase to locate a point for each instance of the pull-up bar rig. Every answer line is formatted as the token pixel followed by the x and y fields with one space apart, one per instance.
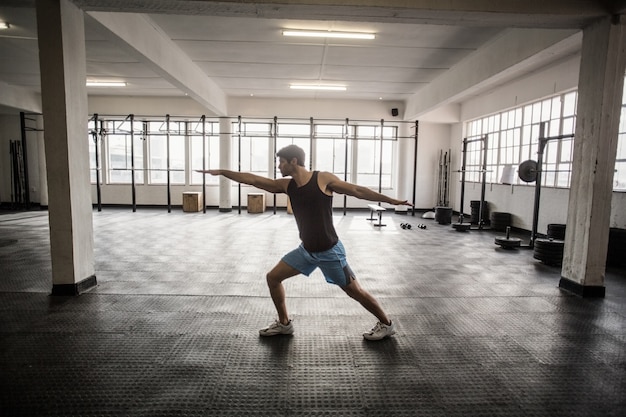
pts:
pixel 530 171
pixel 482 170
pixel 99 132
pixel 543 141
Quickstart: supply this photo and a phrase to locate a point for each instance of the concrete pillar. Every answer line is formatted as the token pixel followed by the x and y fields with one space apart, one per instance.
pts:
pixel 62 61
pixel 599 105
pixel 226 141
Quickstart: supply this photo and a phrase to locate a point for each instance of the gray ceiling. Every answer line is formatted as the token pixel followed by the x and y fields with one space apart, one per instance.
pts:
pixel 239 47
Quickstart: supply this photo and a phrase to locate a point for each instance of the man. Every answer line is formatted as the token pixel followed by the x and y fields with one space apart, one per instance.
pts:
pixel 311 196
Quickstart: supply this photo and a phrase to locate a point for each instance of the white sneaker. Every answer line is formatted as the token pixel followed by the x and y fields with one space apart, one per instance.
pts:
pixel 380 331
pixel 277 328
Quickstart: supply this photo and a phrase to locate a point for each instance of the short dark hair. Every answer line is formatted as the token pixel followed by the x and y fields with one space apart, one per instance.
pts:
pixel 290 152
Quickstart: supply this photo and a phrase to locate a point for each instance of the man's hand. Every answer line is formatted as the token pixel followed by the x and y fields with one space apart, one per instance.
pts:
pixel 402 203
pixel 210 171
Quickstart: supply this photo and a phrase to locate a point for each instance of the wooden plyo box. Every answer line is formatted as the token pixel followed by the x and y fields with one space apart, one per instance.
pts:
pixel 192 201
pixel 256 202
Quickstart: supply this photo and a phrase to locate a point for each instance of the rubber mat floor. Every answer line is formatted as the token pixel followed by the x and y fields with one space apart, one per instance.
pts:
pixel 172 327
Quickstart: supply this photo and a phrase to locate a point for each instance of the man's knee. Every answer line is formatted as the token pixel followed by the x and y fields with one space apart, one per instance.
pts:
pixel 272 279
pixel 279 273
pixel 353 289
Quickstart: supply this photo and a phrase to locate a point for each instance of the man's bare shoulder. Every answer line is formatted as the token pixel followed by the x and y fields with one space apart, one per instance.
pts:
pixel 330 183
pixel 327 176
pixel 283 183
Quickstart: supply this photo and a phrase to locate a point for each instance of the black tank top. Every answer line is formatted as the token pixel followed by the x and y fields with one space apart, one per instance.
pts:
pixel 313 210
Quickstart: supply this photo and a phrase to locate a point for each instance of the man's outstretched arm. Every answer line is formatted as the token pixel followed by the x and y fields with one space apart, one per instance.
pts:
pixel 267 184
pixel 342 187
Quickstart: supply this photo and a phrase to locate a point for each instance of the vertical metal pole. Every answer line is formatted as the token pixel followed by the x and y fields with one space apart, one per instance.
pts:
pixel 239 164
pixel 542 143
pixel 464 151
pixel 345 169
pixel 417 125
pixel 25 162
pixel 203 120
pixel 275 129
pixel 446 178
pixel 132 161
pixel 380 163
pixel 484 182
pixel 12 151
pixel 167 144
pixel 95 141
pixel 311 138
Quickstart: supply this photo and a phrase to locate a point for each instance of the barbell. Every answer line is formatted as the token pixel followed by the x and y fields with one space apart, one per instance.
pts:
pixel 528 170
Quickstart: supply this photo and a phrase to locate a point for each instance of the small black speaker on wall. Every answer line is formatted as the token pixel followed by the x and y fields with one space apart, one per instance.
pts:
pixel 394 112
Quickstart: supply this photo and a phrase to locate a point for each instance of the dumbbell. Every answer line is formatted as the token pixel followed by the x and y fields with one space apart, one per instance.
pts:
pixel 405 225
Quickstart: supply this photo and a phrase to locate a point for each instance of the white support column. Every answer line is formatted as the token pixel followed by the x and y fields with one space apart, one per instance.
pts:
pixel 226 141
pixel 62 60
pixel 599 106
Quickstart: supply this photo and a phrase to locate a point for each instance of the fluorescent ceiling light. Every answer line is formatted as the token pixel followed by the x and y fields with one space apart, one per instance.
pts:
pixel 106 84
pixel 4 25
pixel 317 87
pixel 329 34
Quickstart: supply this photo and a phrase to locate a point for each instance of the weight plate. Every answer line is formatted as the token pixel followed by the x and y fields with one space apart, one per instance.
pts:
pixel 548 258
pixel 527 171
pixel 511 242
pixel 556 231
pixel 549 242
pixel 461 227
pixel 549 261
pixel 548 251
pixel 556 226
pixel 544 253
pixel 504 239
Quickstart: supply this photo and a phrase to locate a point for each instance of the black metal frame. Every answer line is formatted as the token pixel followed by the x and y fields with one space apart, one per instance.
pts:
pixel 483 171
pixel 543 141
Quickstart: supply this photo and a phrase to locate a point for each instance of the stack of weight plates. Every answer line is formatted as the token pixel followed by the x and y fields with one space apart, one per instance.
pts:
pixel 443 215
pixel 556 231
pixel 549 251
pixel 475 205
pixel 500 220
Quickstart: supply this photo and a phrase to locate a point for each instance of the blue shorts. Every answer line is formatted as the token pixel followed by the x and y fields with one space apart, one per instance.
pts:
pixel 331 262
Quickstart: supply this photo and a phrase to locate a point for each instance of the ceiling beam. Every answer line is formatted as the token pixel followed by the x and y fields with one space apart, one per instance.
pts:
pixel 143 39
pixel 502 13
pixel 516 51
pixel 19 98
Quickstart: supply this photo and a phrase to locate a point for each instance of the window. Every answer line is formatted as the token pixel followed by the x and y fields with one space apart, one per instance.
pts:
pixel 255 147
pixel 119 153
pixel 294 134
pixel 361 153
pixel 619 178
pixel 518 135
pixel 331 142
pixel 164 144
pixel 512 137
pixel 209 145
pixel 373 154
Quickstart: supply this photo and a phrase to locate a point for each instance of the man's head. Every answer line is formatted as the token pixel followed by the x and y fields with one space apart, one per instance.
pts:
pixel 290 152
